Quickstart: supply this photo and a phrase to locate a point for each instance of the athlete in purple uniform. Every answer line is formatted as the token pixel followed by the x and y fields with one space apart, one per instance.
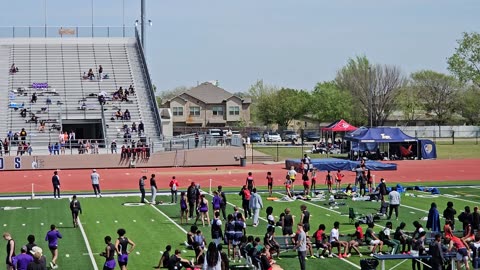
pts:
pixel 121 246
pixel 52 237
pixel 109 254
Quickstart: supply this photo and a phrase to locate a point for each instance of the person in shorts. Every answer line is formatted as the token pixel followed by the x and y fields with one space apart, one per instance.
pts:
pixel 320 242
pixel 121 246
pixel 357 241
pixel 463 251
pixel 329 181
pixel 338 179
pixel 269 183
pixel 373 240
pixel 313 177
pixel 288 186
pixel 183 207
pixel 335 241
pixel 306 184
pixel 10 251
pixel 109 254
pixel 52 237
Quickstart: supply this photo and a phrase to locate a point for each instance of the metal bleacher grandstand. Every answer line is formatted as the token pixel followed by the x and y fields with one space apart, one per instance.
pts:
pixel 54 67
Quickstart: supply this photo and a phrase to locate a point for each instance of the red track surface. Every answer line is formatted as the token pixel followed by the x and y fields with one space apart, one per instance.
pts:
pixel 125 179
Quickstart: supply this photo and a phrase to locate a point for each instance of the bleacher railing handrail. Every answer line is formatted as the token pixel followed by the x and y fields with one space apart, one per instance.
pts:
pixel 65 31
pixel 150 84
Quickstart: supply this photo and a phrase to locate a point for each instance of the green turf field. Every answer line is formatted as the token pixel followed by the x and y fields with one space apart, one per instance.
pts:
pixel 153 227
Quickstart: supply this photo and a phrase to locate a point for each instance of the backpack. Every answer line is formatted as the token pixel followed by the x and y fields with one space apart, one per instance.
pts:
pixel 247 194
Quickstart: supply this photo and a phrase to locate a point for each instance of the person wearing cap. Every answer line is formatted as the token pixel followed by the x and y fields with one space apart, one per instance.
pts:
pixel 56 185
pixel 95 177
pixel 39 261
pixel 23 259
pixel 52 237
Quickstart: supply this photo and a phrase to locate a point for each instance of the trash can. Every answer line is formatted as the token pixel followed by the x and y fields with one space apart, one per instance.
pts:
pixel 368 264
pixel 243 162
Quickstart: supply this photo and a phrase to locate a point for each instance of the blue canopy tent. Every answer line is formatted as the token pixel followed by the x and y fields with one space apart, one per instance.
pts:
pixel 369 139
pixel 334 164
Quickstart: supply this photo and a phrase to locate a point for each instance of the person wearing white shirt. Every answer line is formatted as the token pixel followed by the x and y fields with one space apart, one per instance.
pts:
pixel 394 201
pixel 95 177
pixel 335 241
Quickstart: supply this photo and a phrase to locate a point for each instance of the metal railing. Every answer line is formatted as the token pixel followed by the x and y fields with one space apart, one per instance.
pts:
pixel 150 91
pixel 185 142
pixel 65 31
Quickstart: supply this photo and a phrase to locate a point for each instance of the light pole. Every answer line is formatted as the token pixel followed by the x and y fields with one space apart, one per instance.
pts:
pixel 370 97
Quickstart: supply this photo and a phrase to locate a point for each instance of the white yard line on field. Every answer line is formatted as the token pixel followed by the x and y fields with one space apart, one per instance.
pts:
pixel 169 219
pixel 89 249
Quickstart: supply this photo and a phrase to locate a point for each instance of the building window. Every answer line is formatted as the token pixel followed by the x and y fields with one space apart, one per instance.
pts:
pixel 194 111
pixel 177 111
pixel 217 110
pixel 234 110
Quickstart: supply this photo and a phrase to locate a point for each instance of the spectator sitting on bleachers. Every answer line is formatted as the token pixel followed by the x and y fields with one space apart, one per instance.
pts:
pixel 9 135
pixel 131 91
pixel 41 128
pixel 34 98
pixel 126 115
pixel 23 134
pixel 141 128
pixel 127 136
pixel 84 76
pixel 90 74
pixel 13 69
pixel 23 113
pixel 119 114
pixel 48 101
pixel 33 119
pixel 134 127
pixel 84 106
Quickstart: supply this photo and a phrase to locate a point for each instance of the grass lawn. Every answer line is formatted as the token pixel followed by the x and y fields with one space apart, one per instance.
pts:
pixel 445 150
pixel 154 227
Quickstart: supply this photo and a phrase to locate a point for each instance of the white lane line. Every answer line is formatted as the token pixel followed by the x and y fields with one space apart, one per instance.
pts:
pixel 414 208
pixel 89 249
pixel 463 200
pixel 168 218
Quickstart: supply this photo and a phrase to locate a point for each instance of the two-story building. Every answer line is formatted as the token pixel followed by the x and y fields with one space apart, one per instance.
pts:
pixel 207 105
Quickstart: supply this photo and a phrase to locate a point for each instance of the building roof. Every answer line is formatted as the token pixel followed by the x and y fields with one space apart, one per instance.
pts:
pixel 211 94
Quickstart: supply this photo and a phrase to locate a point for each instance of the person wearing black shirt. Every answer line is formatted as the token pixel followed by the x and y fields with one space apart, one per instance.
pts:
pixel 164 260
pixel 176 262
pixel 56 185
pixel 223 203
pixel 75 208
pixel 305 218
pixel 436 252
pixel 264 261
pixel 153 187
pixel 449 213
pixel 383 189
pixel 141 185
pixel 109 254
pixel 192 198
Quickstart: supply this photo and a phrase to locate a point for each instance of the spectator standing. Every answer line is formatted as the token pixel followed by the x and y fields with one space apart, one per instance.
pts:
pixel 56 185
pixel 433 221
pixel 95 177
pixel 191 197
pixel 436 252
pixel 23 134
pixel 52 238
pixel 197 140
pixel 475 219
pixel 245 193
pixel 141 186
pixel 383 189
pixel 100 71
pixel 256 205
pixel 153 188
pixel 301 246
pixel 217 229
pixel 173 189
pixel 223 203
pixel 465 217
pixel 394 201
pixel 39 261
pixel 449 214
pixel 113 147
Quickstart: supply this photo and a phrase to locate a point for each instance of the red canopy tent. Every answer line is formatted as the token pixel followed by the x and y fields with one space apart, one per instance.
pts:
pixel 339 126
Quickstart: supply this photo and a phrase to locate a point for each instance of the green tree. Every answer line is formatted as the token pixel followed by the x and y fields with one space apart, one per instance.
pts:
pixel 289 104
pixel 438 93
pixel 409 103
pixel 263 103
pixel 465 62
pixel 470 104
pixel 329 103
pixel 373 87
pixel 168 94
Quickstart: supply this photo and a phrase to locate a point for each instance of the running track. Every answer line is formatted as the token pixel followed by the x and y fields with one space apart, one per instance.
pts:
pixel 127 179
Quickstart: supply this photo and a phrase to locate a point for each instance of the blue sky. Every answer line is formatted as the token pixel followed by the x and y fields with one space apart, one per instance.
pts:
pixel 286 43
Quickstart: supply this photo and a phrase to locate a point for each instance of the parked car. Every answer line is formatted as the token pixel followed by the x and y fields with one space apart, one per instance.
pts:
pixel 311 136
pixel 255 137
pixel 272 137
pixel 289 135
